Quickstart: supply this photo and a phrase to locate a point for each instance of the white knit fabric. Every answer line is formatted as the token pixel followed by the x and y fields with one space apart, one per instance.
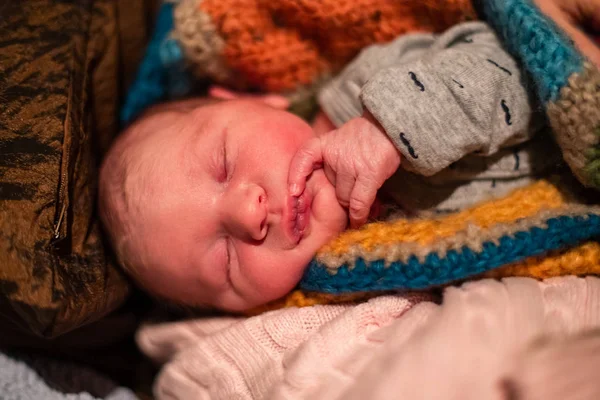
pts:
pixel 482 343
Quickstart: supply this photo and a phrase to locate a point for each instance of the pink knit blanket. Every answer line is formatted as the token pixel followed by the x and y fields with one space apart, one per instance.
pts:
pixel 488 340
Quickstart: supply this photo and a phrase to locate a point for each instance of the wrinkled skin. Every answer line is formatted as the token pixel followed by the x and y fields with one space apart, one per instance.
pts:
pixel 357 159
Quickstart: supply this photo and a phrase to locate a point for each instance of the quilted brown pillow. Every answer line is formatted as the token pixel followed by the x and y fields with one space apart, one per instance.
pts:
pixel 60 66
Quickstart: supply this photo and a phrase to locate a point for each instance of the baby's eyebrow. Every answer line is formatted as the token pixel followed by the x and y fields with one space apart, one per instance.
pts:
pixel 189 161
pixel 198 150
pixel 218 154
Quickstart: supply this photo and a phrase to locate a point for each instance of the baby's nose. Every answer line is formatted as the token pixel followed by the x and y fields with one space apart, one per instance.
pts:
pixel 249 212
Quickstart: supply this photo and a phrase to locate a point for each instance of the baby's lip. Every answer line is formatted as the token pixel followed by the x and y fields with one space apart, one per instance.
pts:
pixel 296 217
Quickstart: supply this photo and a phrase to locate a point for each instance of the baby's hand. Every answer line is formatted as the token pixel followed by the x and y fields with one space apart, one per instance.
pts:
pixel 357 159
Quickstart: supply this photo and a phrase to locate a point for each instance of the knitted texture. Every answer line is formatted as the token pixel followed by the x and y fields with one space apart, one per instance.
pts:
pixel 392 347
pixel 285 46
pixel 278 46
pixel 522 228
pixel 575 117
pixel 300 298
pixel 533 232
pixel 39 378
pixel 160 73
pixel 580 260
pixel 568 86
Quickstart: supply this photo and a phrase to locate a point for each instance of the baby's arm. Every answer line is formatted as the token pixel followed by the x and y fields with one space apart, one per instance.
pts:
pixel 437 98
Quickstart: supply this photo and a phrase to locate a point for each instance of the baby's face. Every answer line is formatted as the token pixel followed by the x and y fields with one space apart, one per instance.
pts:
pixel 218 225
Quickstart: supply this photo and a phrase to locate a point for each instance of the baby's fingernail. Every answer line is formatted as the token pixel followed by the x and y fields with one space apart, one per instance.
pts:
pixel 294 188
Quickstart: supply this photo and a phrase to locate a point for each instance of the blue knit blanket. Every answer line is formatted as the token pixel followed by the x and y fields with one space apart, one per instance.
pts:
pixel 28 378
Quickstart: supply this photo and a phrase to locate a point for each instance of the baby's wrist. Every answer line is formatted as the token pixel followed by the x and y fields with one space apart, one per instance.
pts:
pixel 369 117
pixel 373 121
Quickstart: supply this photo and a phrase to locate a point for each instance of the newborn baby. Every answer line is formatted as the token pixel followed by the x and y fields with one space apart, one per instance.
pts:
pixel 196 200
pixel 224 203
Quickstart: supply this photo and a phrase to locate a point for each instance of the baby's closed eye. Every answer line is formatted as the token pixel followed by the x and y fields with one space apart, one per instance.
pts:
pixel 221 164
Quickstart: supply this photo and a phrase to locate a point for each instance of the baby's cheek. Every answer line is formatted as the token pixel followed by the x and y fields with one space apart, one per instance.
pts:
pixel 290 144
pixel 285 277
pixel 277 273
pixel 291 136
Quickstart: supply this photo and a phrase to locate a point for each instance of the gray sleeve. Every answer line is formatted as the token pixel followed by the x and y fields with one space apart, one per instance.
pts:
pixel 440 100
pixel 339 99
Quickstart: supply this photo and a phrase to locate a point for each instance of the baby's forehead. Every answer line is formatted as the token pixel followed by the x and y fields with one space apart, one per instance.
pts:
pixel 151 125
pixel 170 115
pixel 199 123
pixel 182 106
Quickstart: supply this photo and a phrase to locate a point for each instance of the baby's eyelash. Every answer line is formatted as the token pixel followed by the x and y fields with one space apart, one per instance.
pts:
pixel 225 162
pixel 221 172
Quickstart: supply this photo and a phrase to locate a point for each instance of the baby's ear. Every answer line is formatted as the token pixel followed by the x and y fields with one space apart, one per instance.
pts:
pixel 271 99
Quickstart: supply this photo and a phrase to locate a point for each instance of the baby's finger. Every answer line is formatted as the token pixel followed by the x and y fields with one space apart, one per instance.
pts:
pixel 344 183
pixel 362 197
pixel 304 162
pixel 329 173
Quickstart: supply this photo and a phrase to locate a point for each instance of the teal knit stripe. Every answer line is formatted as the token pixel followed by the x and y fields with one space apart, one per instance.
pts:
pixel 475 236
pixel 150 84
pixel 546 53
pixel 456 265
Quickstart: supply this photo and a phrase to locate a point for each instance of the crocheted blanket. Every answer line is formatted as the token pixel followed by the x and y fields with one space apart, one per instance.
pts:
pixel 285 46
pixel 535 231
pixel 532 232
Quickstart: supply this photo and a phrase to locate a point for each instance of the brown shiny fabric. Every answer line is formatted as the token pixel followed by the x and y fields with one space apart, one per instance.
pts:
pixel 62 69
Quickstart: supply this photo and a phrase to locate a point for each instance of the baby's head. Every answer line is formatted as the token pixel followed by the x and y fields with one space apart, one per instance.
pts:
pixel 195 200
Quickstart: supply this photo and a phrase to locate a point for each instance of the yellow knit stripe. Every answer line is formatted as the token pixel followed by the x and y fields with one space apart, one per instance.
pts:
pixel 521 203
pixel 473 237
pixel 580 260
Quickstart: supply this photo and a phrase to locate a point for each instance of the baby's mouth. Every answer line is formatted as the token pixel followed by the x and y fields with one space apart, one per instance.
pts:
pixel 299 216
